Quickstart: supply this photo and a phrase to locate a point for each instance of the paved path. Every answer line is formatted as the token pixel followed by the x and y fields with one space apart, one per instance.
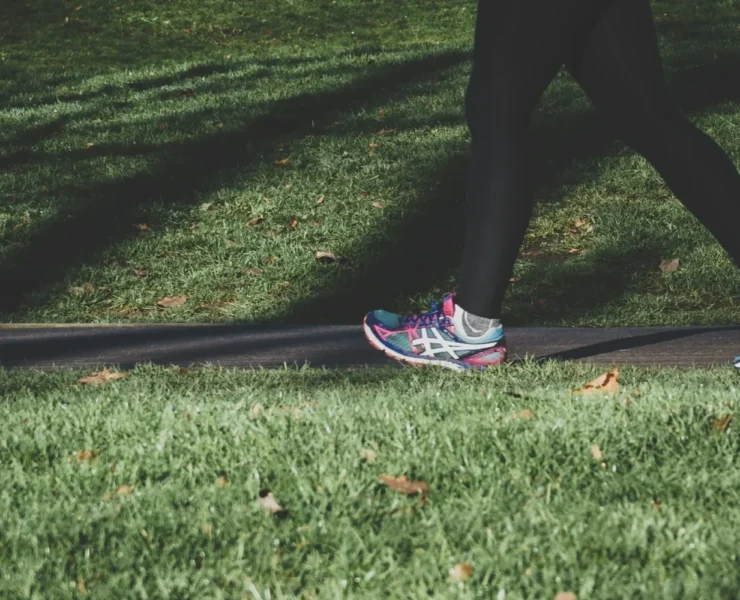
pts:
pixel 46 346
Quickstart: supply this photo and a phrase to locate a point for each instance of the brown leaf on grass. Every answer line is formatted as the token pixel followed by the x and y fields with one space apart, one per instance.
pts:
pixel 583 225
pixel 596 452
pixel 195 227
pixel 207 206
pixel 326 257
pixel 460 572
pixel 294 223
pixel 255 411
pixel 79 290
pixel 384 131
pixel 525 414
pixel 363 193
pixel 188 30
pixel 281 162
pixel 125 490
pixel 565 596
pixel 381 113
pixel 655 504
pixel 207 530
pixel 103 376
pixel 368 455
pixel 89 145
pixel 720 425
pixel 373 145
pixel 81 582
pixel 84 455
pixel 378 204
pixel 575 251
pixel 142 226
pixel 267 502
pixel 404 485
pixel 250 271
pixel 287 186
pixel 255 221
pixel 172 301
pixel 320 200
pixel 669 265
pixel 606 383
pixel 222 480
pixel 140 273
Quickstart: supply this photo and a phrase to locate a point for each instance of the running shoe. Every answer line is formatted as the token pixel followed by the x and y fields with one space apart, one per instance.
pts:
pixel 431 338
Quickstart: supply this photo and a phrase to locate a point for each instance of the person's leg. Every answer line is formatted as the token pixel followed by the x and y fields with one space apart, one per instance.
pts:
pixel 618 66
pixel 520 45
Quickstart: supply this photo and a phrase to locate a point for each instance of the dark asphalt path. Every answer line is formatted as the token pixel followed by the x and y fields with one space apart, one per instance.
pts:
pixel 47 346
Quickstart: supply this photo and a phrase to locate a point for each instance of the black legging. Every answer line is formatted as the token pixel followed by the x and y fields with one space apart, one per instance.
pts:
pixel 610 48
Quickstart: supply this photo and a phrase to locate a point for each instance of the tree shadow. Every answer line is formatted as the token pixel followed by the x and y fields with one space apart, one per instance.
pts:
pixel 421 251
pixel 105 213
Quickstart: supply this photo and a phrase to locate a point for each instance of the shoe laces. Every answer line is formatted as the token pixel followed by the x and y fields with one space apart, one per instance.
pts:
pixel 431 318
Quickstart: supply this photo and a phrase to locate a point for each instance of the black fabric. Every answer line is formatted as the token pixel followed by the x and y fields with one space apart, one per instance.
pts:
pixel 610 48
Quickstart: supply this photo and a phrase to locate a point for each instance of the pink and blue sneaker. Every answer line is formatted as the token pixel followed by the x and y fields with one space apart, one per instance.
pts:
pixel 434 338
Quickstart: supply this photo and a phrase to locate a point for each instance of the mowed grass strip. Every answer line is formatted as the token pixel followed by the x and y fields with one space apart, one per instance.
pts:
pixel 150 486
pixel 163 150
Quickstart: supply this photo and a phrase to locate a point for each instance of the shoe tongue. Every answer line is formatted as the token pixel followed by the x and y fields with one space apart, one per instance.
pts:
pixel 448 307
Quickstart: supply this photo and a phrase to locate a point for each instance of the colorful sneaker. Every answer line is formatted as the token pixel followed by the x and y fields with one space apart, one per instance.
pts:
pixel 431 339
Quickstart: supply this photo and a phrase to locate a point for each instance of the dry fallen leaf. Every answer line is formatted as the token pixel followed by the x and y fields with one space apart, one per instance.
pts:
pixel 207 530
pixel 255 410
pixel 460 572
pixel 655 504
pixel 89 145
pixel 172 301
pixel 294 223
pixel 81 582
pixel 320 200
pixel 250 271
pixel 378 204
pixel 368 455
pixel 381 113
pixel 222 481
pixel 255 221
pixel 721 425
pixel 267 502
pixel 103 376
pixel 565 596
pixel 404 485
pixel 525 414
pixel 669 265
pixel 84 455
pixel 140 272
pixel 326 257
pixel 608 382
pixel 142 226
pixel 596 452
pixel 384 131
pixel 125 490
pixel 575 251
pixel 282 161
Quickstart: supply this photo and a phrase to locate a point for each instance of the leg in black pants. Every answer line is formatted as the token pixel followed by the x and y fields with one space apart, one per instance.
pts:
pixel 610 48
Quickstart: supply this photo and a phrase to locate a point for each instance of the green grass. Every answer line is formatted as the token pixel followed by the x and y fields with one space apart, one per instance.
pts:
pixel 126 113
pixel 522 501
pixel 172 114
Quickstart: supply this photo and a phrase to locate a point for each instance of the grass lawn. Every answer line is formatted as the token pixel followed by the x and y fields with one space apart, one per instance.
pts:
pixel 521 500
pixel 211 149
pixel 141 139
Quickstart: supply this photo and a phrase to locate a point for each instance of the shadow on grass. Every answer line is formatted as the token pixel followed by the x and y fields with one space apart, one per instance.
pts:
pixel 403 261
pixel 105 213
pixel 397 262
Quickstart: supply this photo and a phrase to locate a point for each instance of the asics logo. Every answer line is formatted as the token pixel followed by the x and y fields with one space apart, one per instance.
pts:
pixel 437 344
